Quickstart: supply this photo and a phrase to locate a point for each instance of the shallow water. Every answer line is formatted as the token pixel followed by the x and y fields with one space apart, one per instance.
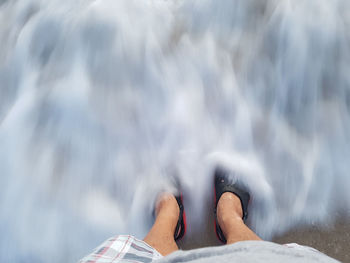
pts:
pixel 102 101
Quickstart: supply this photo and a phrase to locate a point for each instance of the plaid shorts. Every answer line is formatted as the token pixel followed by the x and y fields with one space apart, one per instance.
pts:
pixel 122 248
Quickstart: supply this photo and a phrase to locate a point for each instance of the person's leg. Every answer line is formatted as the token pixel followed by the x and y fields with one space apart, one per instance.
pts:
pixel 161 235
pixel 229 213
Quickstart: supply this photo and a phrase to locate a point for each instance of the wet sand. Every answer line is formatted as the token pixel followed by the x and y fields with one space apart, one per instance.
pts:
pixel 333 241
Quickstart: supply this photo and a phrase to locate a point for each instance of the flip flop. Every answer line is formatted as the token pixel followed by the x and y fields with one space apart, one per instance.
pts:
pixel 222 184
pixel 181 226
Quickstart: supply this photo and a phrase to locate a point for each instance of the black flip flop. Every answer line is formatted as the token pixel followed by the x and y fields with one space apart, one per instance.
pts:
pixel 180 229
pixel 222 185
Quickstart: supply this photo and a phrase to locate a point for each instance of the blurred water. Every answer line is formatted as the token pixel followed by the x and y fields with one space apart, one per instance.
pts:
pixel 100 101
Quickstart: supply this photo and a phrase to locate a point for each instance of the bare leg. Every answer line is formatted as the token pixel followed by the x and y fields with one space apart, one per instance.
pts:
pixel 229 213
pixel 161 235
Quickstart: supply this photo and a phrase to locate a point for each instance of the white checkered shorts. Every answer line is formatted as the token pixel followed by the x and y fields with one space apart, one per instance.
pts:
pixel 122 248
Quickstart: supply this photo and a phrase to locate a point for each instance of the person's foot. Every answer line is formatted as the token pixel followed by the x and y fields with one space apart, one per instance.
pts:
pixel 162 234
pixel 231 202
pixel 229 211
